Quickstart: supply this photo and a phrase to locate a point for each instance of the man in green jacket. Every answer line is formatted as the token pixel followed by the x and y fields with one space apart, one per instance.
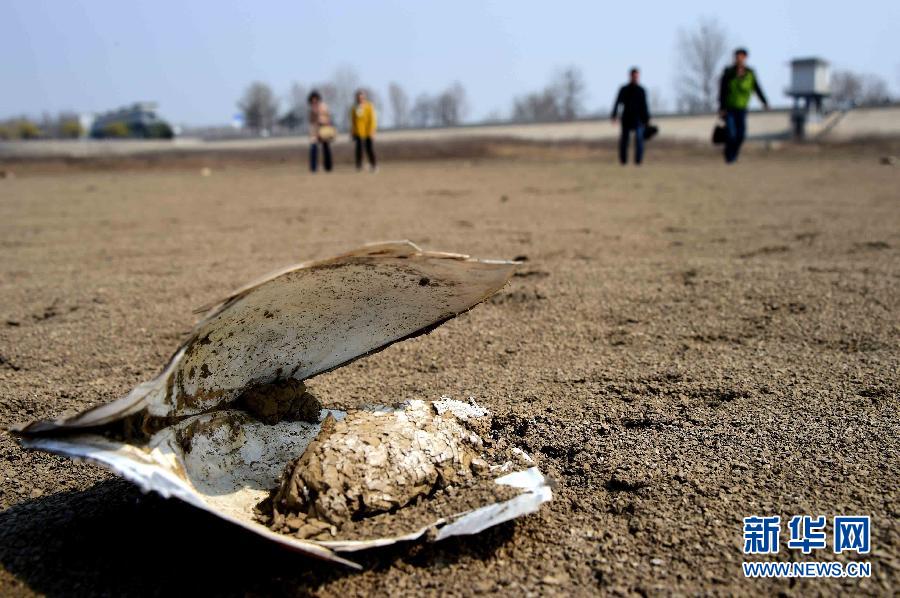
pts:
pixel 737 85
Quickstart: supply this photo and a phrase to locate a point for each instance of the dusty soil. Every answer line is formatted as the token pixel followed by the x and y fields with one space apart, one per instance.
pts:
pixel 378 475
pixel 687 344
pixel 423 511
pixel 371 463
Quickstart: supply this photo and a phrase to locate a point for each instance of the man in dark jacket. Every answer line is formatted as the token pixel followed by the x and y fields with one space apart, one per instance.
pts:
pixel 736 87
pixel 635 116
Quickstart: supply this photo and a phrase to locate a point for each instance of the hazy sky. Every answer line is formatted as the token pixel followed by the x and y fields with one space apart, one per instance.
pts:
pixel 196 57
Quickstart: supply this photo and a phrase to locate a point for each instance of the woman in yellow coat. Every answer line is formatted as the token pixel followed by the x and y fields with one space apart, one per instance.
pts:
pixel 362 128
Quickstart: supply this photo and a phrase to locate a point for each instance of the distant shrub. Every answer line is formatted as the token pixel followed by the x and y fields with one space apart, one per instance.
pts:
pixel 5 132
pixel 71 129
pixel 28 130
pixel 160 130
pixel 116 130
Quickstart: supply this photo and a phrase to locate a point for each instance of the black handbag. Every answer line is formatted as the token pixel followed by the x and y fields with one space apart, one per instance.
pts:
pixel 650 131
pixel 720 134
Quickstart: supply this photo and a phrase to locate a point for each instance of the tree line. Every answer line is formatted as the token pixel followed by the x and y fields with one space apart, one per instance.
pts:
pixel 701 53
pixel 64 125
pixel 263 110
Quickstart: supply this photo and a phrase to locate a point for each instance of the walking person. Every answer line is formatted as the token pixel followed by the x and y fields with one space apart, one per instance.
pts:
pixel 362 129
pixel 635 116
pixel 321 132
pixel 737 85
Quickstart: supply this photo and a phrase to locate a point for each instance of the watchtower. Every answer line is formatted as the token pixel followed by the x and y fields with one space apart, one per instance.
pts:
pixel 810 85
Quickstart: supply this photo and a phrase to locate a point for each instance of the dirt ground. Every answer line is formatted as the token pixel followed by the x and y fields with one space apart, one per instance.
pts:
pixel 687 344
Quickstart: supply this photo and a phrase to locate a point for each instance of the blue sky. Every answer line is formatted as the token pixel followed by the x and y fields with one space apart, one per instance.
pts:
pixel 196 57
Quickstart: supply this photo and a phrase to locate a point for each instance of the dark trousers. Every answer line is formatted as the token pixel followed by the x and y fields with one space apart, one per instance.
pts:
pixel 370 151
pixel 638 142
pixel 314 156
pixel 736 126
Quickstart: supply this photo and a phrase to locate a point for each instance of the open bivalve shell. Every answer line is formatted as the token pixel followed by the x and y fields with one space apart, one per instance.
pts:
pixel 204 431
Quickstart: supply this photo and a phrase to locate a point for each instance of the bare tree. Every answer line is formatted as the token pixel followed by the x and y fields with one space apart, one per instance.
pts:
pixel 540 106
pixel 399 104
pixel 295 117
pixel 846 87
pixel 875 91
pixel 422 113
pixel 700 55
pixel 569 88
pixel 656 101
pixel 340 94
pixel 858 89
pixel 561 99
pixel 297 96
pixel 260 106
pixel 344 83
pixel 451 106
pixel 446 109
